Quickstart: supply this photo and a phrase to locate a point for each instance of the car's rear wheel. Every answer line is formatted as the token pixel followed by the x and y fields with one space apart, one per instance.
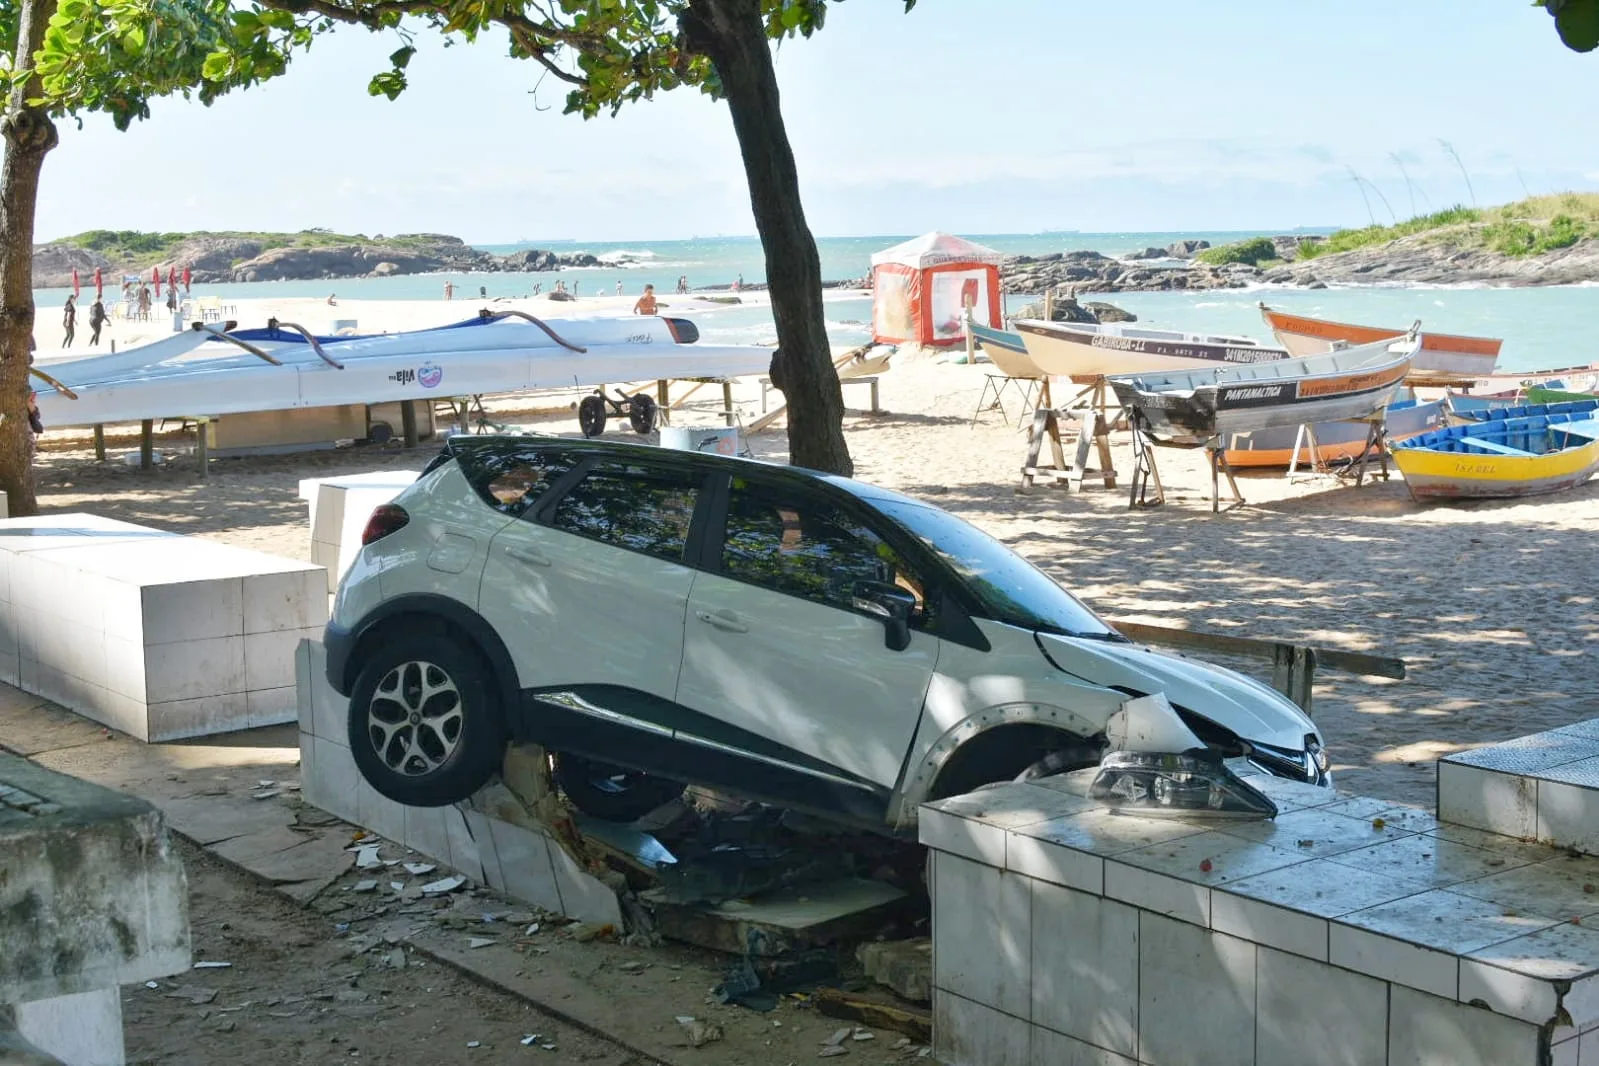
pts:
pixel 424 722
pixel 613 793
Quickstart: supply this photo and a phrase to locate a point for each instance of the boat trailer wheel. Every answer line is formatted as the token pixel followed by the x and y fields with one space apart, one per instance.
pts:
pixel 591 415
pixel 639 409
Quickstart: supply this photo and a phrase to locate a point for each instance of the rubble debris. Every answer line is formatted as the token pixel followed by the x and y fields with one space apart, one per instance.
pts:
pixel 862 1034
pixel 831 1050
pixel 877 1011
pixel 366 857
pixel 699 1032
pixel 364 886
pixel 474 1043
pixel 480 941
pixel 442 886
pixel 212 965
pixel 905 966
pixel 838 1037
pixel 583 932
pixel 417 869
pixel 195 994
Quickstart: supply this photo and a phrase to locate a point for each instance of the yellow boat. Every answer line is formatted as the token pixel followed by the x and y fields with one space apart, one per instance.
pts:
pixel 1511 452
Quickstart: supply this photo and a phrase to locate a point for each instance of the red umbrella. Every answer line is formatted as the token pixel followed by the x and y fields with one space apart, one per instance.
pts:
pixel 185 279
pixel 76 289
pixel 99 284
pixel 155 272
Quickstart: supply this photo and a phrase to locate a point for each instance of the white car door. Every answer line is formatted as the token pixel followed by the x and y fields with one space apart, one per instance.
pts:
pixel 776 644
pixel 590 589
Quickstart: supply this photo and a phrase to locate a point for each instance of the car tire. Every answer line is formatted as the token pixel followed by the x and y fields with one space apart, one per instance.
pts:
pixel 425 724
pixel 611 793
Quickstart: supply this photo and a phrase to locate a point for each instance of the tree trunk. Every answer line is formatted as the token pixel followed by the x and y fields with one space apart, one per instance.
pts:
pixel 29 135
pixel 731 34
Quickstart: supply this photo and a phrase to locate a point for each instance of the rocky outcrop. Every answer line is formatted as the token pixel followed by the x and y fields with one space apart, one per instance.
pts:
pixel 1067 309
pixel 224 258
pixel 1424 260
pixel 1093 272
pixel 1148 253
pixel 1186 249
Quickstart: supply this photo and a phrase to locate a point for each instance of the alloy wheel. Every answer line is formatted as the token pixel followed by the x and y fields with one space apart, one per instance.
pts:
pixel 414 718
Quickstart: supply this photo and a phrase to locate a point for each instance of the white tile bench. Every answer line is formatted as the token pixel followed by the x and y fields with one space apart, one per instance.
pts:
pixel 1345 931
pixel 158 635
pixel 523 863
pixel 1544 787
pixel 340 507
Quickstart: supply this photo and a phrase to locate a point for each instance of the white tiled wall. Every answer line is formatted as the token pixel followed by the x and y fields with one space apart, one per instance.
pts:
pixel 155 634
pixel 523 864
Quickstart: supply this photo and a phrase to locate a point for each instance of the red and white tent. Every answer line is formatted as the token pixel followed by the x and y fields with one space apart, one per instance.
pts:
pixel 920 289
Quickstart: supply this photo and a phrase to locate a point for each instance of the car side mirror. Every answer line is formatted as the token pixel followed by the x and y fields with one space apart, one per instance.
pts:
pixel 892 605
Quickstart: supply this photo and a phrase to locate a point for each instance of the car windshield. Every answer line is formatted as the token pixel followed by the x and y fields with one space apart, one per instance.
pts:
pixel 1010 589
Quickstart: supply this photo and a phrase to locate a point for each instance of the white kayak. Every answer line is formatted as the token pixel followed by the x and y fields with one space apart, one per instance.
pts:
pixel 211 370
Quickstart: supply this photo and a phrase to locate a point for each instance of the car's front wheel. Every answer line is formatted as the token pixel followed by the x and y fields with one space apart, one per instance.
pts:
pixel 425 724
pixel 612 793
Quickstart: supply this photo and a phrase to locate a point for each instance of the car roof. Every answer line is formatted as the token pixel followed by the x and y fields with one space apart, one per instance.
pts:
pixel 687 460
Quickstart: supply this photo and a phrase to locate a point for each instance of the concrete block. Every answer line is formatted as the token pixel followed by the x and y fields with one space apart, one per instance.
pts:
pixel 967 1033
pixel 1317 1015
pixel 905 966
pixel 1426 1030
pixel 84 1029
pixel 1196 995
pixel 1085 961
pixel 88 881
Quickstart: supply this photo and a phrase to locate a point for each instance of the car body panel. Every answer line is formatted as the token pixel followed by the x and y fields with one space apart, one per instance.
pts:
pixel 812 677
pixel 1240 704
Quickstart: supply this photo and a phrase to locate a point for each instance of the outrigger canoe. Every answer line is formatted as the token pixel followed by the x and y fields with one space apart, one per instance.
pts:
pixel 1442 355
pixel 1514 452
pixel 1084 351
pixel 1197 406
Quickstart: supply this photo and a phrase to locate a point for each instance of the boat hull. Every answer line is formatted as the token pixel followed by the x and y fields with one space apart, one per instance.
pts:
pixel 1444 465
pixel 1441 354
pixel 1335 441
pixel 1085 352
pixel 1338 386
pixel 501 357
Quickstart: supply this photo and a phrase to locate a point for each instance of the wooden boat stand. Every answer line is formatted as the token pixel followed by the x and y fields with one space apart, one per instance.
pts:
pixel 1046 424
pixel 1145 470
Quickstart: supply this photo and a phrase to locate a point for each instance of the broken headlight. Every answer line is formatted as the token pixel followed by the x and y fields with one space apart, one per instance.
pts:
pixel 1310 765
pixel 1193 783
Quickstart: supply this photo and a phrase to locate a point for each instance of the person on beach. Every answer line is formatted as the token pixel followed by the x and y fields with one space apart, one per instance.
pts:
pixel 738 286
pixel 144 300
pixel 172 300
pixel 646 303
pixel 333 300
pixel 575 284
pixel 449 290
pixel 69 320
pixel 538 287
pixel 97 317
pixel 618 288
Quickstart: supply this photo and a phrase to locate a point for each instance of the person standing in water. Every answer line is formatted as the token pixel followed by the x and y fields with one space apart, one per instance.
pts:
pixel 69 320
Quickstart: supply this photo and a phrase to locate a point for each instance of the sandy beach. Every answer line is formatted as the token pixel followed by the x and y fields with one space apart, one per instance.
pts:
pixel 1488 603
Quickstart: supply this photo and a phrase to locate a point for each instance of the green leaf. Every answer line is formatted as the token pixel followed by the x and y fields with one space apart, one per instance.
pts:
pixel 402 58
pixel 1577 21
pixel 216 66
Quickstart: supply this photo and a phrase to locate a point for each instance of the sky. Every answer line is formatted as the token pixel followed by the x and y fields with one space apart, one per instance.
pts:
pixel 974 116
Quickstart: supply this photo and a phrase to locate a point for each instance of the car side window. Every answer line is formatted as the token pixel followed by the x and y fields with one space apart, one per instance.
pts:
pixel 511 479
pixel 633 506
pixel 808 548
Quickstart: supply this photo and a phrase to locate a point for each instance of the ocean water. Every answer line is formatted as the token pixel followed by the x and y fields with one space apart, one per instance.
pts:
pixel 1542 327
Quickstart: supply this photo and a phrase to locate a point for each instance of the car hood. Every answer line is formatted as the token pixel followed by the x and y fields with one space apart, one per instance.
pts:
pixel 1250 709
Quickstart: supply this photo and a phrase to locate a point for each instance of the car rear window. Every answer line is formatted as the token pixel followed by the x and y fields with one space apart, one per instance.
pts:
pixel 511 476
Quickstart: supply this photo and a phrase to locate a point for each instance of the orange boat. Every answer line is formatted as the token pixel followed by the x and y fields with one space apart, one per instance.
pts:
pixel 1441 356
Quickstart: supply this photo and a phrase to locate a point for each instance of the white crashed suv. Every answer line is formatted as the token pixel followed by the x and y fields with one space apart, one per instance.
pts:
pixel 657 617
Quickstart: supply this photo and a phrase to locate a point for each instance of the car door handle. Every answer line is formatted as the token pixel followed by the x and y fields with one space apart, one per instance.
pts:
pixel 725 620
pixel 528 555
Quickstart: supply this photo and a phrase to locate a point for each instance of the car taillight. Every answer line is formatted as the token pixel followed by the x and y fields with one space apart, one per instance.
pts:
pixel 390 518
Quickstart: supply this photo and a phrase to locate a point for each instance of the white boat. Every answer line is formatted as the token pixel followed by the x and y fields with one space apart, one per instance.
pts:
pixel 1084 350
pixel 1202 405
pixel 211 370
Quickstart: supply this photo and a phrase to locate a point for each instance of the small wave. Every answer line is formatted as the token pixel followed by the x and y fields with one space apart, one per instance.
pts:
pixel 624 253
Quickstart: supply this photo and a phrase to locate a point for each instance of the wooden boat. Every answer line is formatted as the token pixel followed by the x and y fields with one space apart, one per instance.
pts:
pixel 1085 351
pixel 1195 406
pixel 1540 394
pixel 1442 355
pixel 1520 451
pixel 1335 441
pixel 1007 352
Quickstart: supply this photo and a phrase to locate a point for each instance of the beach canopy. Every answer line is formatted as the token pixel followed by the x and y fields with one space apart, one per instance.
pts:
pixel 76 289
pixel 99 283
pixel 920 289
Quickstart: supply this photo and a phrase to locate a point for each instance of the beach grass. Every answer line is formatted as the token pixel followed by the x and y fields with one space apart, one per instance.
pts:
pixel 1253 251
pixel 1532 226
